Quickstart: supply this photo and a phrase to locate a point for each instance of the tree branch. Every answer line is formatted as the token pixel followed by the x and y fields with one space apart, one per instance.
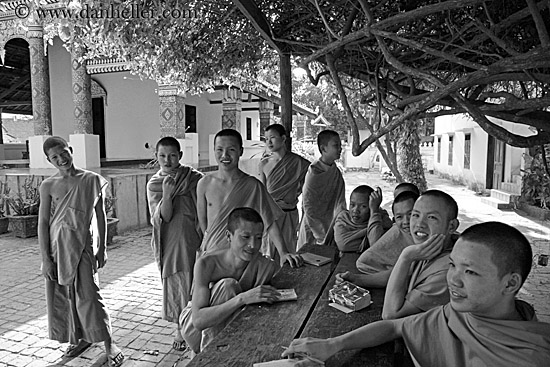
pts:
pixel 542 137
pixel 539 23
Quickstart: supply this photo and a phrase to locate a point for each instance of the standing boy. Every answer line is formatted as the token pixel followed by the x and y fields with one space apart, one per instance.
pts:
pixel 172 197
pixel 228 279
pixel 324 191
pixel 76 312
pixel 483 325
pixel 283 173
pixel 229 188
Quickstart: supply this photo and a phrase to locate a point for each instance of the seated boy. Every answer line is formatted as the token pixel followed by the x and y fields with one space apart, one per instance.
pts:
pixel 350 227
pixel 225 280
pixel 229 188
pixel 483 325
pixel 379 222
pixel 417 281
pixel 172 198
pixel 378 260
pixel 323 192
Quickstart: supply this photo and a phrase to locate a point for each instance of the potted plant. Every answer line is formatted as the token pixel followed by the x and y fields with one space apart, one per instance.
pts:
pixel 24 208
pixel 4 221
pixel 112 222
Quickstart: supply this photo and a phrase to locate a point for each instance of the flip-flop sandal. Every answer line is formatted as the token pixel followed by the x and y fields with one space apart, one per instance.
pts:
pixel 117 360
pixel 75 350
pixel 179 345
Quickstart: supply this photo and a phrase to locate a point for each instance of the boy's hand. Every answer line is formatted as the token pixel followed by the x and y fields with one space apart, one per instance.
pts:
pixel 294 260
pixel 101 258
pixel 317 348
pixel 49 270
pixel 427 250
pixel 375 200
pixel 168 186
pixel 262 293
pixel 343 277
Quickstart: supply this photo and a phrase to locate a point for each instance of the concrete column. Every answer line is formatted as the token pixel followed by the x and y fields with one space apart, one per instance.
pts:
pixel 266 115
pixel 171 113
pixel 82 94
pixel 231 109
pixel 40 82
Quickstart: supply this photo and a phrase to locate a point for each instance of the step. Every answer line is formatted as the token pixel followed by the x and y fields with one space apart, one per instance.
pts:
pixel 510 187
pixel 504 196
pixel 498 204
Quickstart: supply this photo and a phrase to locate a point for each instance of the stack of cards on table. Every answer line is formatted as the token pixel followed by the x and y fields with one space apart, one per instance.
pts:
pixel 287 295
pixel 350 296
pixel 314 259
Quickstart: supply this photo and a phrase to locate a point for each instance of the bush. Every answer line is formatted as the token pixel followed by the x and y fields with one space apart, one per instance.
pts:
pixel 536 182
pixel 27 201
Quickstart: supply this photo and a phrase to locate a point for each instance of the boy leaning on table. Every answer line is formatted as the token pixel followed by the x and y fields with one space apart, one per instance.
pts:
pixel 227 279
pixel 483 325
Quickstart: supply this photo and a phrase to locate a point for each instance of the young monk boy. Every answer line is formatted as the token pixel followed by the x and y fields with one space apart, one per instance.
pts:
pixel 483 325
pixel 350 227
pixel 76 312
pixel 283 173
pixel 417 281
pixel 229 188
pixel 172 197
pixel 324 191
pixel 228 279
pixel 377 262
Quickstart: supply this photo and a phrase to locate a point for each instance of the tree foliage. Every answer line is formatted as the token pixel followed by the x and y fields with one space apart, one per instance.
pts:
pixel 427 58
pixel 211 43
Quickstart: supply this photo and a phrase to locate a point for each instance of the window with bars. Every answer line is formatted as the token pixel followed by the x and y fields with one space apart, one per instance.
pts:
pixel 467 148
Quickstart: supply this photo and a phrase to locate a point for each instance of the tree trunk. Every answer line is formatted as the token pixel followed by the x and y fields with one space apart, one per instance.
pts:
pixel 409 158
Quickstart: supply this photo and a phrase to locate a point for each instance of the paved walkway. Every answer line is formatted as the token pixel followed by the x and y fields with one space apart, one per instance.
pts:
pixel 132 291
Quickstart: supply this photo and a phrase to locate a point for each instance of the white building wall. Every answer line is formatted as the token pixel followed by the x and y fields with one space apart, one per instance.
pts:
pixel 475 177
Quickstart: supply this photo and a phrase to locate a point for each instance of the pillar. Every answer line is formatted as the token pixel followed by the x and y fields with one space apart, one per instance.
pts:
pixel 40 82
pixel 266 116
pixel 171 113
pixel 172 118
pixel 231 108
pixel 82 93
pixel 285 75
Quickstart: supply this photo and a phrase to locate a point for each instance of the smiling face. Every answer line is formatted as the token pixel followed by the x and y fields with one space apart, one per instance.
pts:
pixel 332 150
pixel 402 215
pixel 273 141
pixel 359 208
pixel 227 151
pixel 430 215
pixel 61 157
pixel 473 280
pixel 246 239
pixel 168 157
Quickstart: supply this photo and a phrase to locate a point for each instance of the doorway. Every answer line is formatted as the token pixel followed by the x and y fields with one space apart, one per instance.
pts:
pixel 496 153
pixel 98 117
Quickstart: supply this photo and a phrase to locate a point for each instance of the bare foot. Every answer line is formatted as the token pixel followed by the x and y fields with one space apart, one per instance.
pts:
pixel 179 343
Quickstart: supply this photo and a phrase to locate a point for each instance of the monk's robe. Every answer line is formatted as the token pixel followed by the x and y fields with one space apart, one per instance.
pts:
pixel 322 199
pixel 284 184
pixel 75 307
pixel 427 286
pixel 248 192
pixel 349 236
pixel 445 337
pixel 379 223
pixel 383 254
pixel 175 243
pixel 259 271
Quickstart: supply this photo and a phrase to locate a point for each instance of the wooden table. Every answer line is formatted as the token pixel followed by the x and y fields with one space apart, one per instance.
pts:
pixel 326 322
pixel 258 333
